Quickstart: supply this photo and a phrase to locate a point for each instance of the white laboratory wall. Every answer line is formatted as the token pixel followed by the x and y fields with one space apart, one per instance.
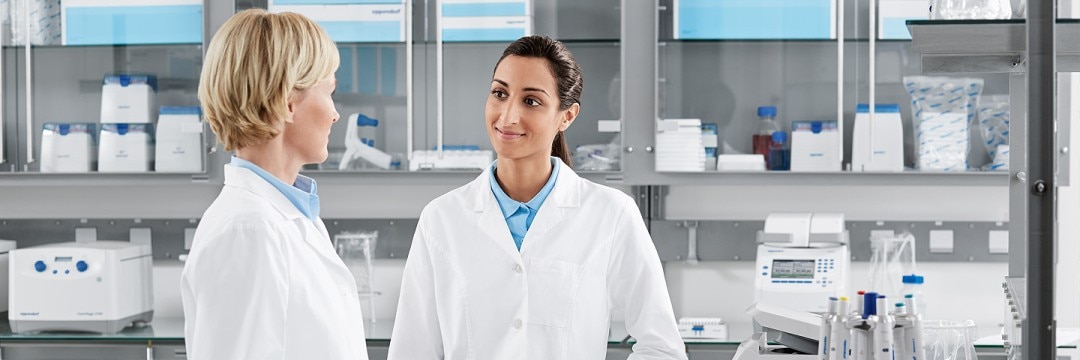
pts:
pixel 858 203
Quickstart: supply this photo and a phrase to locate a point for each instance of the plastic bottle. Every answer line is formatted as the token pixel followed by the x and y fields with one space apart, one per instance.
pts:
pixel 766 127
pixel 913 284
pixel 779 154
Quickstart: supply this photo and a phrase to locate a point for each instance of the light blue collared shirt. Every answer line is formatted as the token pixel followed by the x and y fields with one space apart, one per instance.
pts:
pixel 519 215
pixel 302 194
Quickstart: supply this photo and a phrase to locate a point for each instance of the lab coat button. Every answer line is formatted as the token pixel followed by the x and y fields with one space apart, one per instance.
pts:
pixel 517 324
pixel 518 269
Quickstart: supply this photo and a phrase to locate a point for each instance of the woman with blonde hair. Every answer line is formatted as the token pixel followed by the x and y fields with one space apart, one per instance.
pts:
pixel 262 280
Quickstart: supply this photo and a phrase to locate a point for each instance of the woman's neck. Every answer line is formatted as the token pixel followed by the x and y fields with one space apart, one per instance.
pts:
pixel 522 179
pixel 272 157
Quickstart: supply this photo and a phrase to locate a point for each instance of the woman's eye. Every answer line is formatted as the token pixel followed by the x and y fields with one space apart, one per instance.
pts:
pixel 532 102
pixel 498 93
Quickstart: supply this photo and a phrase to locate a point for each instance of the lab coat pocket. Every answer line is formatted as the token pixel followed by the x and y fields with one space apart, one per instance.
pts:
pixel 553 285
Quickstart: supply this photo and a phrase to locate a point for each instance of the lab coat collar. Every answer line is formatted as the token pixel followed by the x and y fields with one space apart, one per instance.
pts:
pixel 248 180
pixel 245 179
pixel 565 195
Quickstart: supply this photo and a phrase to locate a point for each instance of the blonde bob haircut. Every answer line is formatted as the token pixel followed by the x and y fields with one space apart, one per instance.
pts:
pixel 254 65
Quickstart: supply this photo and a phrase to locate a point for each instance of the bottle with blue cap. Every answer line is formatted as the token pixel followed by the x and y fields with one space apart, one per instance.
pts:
pixel 913 284
pixel 779 154
pixel 764 136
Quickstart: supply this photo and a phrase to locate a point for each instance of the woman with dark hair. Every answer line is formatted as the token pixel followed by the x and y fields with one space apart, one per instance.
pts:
pixel 530 261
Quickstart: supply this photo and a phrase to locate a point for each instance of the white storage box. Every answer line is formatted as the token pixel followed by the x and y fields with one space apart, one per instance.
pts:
pixel 128 99
pixel 125 148
pixel 179 140
pixel 67 148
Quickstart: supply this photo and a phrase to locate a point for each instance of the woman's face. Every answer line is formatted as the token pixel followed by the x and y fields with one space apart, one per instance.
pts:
pixel 522 113
pixel 313 112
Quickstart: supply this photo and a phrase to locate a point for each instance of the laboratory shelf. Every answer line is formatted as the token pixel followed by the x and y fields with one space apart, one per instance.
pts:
pixel 165 329
pixel 110 46
pixel 507 42
pixel 787 178
pixel 8 179
pixel 172 330
pixel 773 41
pixel 401 177
pixel 986 46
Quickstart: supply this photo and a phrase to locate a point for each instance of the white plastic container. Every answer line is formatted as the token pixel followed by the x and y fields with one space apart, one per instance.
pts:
pixel 128 99
pixel 179 138
pixel 815 146
pixel 67 148
pixel 125 148
pixel 887 138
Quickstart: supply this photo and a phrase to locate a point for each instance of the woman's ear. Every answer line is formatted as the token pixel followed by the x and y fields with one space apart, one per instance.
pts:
pixel 569 115
pixel 290 104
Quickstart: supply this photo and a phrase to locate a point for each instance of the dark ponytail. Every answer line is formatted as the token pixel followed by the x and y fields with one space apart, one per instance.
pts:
pixel 567 75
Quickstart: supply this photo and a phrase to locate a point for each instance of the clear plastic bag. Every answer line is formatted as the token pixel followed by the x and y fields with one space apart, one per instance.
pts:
pixel 970 9
pixel 44 21
pixel 597 157
pixel 994 126
pixel 357 251
pixel 891 258
pixel 949 340
pixel 943 110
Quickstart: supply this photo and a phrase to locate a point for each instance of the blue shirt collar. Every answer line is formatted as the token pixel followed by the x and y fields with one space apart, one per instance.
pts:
pixel 509 205
pixel 303 194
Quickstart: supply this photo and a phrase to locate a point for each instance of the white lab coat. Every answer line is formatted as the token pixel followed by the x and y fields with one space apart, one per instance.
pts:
pixel 263 281
pixel 467 293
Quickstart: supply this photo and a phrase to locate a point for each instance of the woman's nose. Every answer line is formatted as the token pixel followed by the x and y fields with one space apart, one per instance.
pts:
pixel 508 114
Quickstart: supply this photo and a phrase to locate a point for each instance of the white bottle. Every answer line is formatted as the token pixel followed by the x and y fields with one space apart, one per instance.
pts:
pixel 913 284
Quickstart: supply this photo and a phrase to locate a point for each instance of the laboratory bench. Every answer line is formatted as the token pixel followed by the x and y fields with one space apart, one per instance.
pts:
pixel 164 339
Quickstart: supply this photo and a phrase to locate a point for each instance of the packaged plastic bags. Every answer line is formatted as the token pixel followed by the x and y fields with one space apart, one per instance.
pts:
pixel 994 128
pixel 943 110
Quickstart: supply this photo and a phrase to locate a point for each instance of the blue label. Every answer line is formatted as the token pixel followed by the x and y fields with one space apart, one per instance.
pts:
pixel 363 31
pixel 336 2
pixel 102 25
pixel 896 28
pixel 484 9
pixel 754 19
